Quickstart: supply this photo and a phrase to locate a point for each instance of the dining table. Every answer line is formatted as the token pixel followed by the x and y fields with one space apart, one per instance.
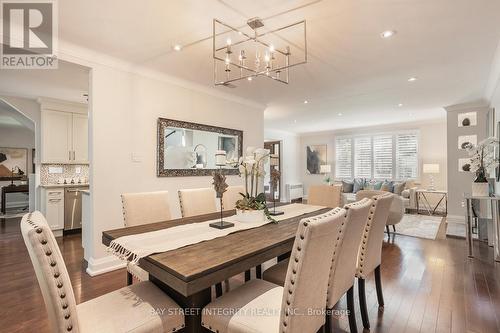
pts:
pixel 187 274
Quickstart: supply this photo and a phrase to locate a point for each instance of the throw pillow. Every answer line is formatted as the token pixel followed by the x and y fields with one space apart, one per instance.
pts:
pixel 386 186
pixel 359 184
pixel 347 186
pixel 377 185
pixel 399 187
pixel 405 194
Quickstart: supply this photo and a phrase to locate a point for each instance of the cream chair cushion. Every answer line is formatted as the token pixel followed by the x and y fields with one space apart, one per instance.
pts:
pixel 370 250
pixel 232 195
pixel 145 207
pixel 129 309
pixel 324 195
pixel 136 308
pixel 397 211
pixel 305 286
pixel 197 201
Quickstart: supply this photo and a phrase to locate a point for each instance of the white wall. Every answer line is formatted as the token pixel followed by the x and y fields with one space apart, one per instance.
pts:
pixel 432 149
pixel 124 108
pixel 290 167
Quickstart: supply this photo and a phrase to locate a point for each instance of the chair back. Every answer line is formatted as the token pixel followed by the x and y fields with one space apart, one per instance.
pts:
pixel 344 263
pixel 368 194
pixel 51 273
pixel 197 201
pixel 370 251
pixel 308 269
pixel 232 195
pixel 145 207
pixel 324 195
pixel 397 211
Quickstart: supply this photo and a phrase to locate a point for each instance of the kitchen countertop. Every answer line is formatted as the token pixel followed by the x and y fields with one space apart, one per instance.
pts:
pixel 63 185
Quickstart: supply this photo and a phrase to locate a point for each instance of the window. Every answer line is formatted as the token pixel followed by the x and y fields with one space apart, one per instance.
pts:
pixel 407 155
pixel 380 156
pixel 363 157
pixel 343 158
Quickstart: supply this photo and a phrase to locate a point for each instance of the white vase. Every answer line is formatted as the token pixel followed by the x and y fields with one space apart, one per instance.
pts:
pixel 480 189
pixel 250 215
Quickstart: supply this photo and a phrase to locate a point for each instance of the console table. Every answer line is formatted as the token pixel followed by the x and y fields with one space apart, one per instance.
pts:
pixel 421 198
pixel 12 189
pixel 495 220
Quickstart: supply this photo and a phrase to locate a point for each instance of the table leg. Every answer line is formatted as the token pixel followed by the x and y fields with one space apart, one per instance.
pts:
pixel 468 221
pixel 418 208
pixel 3 202
pixel 193 305
pixel 496 231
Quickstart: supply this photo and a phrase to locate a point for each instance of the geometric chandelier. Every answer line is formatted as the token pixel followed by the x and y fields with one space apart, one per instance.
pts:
pixel 253 51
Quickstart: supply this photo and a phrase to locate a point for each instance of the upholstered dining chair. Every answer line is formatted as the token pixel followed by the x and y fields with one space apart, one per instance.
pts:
pixel 197 201
pixel 370 249
pixel 396 213
pixel 286 308
pixel 232 195
pixel 129 309
pixel 324 195
pixel 143 208
pixel 344 263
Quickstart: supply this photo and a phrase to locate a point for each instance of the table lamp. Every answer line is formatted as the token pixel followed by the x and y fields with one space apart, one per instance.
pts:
pixel 431 169
pixel 326 169
pixel 220 187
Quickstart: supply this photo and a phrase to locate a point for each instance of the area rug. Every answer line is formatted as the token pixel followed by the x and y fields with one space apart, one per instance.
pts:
pixel 422 226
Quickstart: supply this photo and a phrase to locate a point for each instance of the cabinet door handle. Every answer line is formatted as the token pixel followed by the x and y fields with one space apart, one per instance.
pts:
pixel 54 200
pixel 55 192
pixel 74 157
pixel 69 153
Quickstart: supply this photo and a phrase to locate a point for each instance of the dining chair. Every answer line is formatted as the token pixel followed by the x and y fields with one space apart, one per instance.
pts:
pixel 324 195
pixel 197 201
pixel 130 309
pixel 370 249
pixel 285 307
pixel 396 213
pixel 143 208
pixel 343 269
pixel 232 195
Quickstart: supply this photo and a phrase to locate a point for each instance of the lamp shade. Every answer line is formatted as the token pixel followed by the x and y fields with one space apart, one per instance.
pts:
pixel 325 168
pixel 431 168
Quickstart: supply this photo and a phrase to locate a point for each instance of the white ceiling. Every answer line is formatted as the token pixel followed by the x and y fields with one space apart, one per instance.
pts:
pixel 448 44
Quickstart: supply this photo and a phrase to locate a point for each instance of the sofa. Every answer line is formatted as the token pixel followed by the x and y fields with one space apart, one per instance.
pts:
pixel 408 193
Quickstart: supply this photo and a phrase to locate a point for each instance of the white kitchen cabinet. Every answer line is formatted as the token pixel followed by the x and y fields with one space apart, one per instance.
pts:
pixel 64 132
pixel 53 207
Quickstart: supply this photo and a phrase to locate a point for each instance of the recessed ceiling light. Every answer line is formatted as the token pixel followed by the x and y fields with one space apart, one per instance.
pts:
pixel 295 121
pixel 306 101
pixel 177 47
pixel 339 114
pixel 412 79
pixel 249 78
pixel 400 104
pixel 388 33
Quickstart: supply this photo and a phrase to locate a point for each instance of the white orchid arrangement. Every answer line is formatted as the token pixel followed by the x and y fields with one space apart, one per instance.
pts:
pixel 482 157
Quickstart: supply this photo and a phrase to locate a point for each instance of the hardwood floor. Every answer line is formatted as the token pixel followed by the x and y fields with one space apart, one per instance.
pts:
pixel 429 286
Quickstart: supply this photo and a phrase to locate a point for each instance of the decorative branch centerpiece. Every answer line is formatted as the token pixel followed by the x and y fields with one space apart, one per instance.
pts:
pixel 252 206
pixel 482 159
pixel 220 186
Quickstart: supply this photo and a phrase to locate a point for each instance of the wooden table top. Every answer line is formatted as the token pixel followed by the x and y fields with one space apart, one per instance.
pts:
pixel 196 261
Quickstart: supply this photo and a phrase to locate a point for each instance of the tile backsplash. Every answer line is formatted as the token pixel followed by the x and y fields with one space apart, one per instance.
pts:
pixel 53 173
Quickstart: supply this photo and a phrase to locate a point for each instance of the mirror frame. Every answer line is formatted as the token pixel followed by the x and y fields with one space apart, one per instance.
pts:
pixel 163 123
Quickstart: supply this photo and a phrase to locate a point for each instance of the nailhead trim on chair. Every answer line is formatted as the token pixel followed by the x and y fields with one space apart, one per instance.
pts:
pixel 180 203
pixel 362 251
pixel 55 274
pixel 296 264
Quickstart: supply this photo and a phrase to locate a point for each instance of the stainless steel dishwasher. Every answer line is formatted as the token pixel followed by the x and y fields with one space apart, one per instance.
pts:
pixel 73 208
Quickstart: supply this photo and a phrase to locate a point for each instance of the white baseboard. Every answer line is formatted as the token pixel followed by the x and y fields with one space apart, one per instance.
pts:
pixel 455 218
pixel 104 265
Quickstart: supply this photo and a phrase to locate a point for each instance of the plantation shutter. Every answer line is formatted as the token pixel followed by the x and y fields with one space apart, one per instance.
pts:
pixel 407 155
pixel 363 157
pixel 343 158
pixel 382 157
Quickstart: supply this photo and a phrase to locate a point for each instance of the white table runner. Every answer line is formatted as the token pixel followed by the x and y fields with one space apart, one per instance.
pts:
pixel 138 246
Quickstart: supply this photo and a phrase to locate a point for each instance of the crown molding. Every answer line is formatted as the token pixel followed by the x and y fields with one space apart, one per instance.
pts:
pixel 478 104
pixel 89 58
pixel 494 78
